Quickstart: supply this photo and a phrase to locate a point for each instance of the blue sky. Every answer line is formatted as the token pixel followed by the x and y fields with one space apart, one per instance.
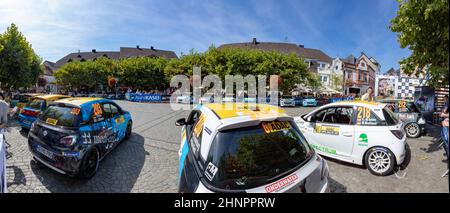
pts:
pixel 337 27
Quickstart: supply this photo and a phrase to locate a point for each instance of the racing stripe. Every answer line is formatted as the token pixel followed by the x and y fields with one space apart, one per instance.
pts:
pixel 183 156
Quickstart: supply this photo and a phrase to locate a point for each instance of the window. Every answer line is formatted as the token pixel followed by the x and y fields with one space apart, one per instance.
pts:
pixel 62 116
pixel 389 116
pixel 336 67
pixel 363 64
pixel 195 137
pixel 250 157
pixel 110 110
pixel 324 78
pixel 365 77
pixel 335 115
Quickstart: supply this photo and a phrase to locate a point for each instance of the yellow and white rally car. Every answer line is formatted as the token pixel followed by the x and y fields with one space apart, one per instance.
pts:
pixel 363 133
pixel 238 147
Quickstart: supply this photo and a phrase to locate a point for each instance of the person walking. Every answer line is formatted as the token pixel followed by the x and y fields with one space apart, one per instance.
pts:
pixel 368 96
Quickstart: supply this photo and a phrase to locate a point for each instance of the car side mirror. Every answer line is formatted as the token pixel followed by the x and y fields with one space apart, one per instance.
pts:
pixel 180 122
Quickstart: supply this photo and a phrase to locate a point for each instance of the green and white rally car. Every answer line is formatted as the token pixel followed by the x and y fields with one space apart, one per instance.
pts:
pixel 363 133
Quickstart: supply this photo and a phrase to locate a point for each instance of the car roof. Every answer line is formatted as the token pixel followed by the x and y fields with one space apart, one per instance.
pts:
pixel 369 104
pixel 52 97
pixel 79 101
pixel 231 110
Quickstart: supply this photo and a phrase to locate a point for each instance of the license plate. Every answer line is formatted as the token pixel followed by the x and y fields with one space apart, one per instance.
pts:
pixel 44 151
pixel 51 121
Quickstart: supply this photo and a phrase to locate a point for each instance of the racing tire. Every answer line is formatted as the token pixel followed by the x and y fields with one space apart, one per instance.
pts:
pixel 412 130
pixel 379 161
pixel 89 164
pixel 129 130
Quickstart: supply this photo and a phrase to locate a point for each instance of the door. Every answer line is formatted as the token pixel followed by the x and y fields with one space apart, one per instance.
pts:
pixel 116 119
pixel 100 129
pixel 331 131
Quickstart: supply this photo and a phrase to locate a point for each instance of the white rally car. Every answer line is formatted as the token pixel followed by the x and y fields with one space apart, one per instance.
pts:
pixel 246 148
pixel 363 133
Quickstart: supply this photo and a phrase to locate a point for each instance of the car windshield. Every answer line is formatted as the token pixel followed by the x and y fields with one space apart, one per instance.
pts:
pixel 389 116
pixel 253 156
pixel 36 104
pixel 62 116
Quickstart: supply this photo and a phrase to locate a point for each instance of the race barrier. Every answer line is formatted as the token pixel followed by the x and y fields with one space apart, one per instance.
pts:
pixel 332 100
pixel 137 97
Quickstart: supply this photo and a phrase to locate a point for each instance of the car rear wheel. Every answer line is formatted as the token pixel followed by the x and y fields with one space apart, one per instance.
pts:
pixel 380 161
pixel 412 130
pixel 89 164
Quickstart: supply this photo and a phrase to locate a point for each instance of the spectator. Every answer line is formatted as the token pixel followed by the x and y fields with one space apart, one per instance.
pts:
pixel 4 109
pixel 368 96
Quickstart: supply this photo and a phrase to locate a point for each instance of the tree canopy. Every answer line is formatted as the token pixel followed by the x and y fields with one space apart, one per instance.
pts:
pixel 423 27
pixel 147 73
pixel 19 65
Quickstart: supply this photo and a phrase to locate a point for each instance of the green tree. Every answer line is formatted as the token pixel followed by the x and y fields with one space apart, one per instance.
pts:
pixel 19 65
pixel 143 73
pixel 423 27
pixel 336 82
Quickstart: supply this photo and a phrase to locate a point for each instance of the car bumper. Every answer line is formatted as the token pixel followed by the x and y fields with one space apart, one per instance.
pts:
pixel 64 162
pixel 309 104
pixel 287 104
pixel 26 121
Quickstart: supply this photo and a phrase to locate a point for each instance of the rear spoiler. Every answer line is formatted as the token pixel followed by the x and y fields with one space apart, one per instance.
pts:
pixel 253 122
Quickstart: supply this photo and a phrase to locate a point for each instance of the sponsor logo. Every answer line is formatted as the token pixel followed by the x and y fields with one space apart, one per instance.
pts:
pixel 274 187
pixel 44 133
pixel 210 171
pixel 363 140
pixel 276 126
pixel 324 149
pixel 326 129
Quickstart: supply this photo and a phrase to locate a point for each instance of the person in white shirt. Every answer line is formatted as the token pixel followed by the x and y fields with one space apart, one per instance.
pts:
pixel 368 96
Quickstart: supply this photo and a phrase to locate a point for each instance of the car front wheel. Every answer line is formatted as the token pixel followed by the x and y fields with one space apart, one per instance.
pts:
pixel 380 161
pixel 412 130
pixel 128 131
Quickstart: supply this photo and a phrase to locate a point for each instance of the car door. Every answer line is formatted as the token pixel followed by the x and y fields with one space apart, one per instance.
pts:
pixel 117 120
pixel 101 127
pixel 331 131
pixel 367 129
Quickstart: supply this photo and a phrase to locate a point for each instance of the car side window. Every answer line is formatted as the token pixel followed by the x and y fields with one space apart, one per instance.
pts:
pixel 114 109
pixel 366 117
pixel 338 115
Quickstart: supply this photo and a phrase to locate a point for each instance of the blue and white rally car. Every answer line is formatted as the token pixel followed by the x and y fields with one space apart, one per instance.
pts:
pixel 246 148
pixel 72 135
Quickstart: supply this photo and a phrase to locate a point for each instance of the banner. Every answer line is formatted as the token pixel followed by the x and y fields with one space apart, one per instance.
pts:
pixel 144 97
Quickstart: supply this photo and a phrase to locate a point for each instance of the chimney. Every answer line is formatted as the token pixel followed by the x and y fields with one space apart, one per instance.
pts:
pixel 152 48
pixel 137 47
pixel 94 50
pixel 301 45
pixel 254 41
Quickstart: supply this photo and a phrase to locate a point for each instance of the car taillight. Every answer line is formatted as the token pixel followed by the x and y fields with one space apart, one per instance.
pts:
pixel 68 140
pixel 30 113
pixel 398 133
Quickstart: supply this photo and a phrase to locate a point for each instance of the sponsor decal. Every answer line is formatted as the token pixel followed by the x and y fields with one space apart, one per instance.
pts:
pixel 97 109
pixel 51 121
pixel 210 171
pixel 199 126
pixel 402 104
pixel 276 126
pixel 283 183
pixel 75 111
pixel 363 140
pixel 324 149
pixel 365 117
pixel 71 154
pixel 120 120
pixel 326 129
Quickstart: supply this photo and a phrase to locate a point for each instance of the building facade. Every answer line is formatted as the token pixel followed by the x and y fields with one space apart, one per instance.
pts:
pixel 359 73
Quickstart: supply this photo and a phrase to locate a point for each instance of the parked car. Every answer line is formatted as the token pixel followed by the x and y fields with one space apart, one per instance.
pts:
pixel 228 99
pixel 38 104
pixel 184 99
pixel 20 100
pixel 408 113
pixel 298 101
pixel 233 148
pixel 207 98
pixel 287 100
pixel 309 102
pixel 322 101
pixel 363 133
pixel 73 135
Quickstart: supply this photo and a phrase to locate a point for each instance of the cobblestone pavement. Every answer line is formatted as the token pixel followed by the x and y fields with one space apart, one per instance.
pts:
pixel 148 162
